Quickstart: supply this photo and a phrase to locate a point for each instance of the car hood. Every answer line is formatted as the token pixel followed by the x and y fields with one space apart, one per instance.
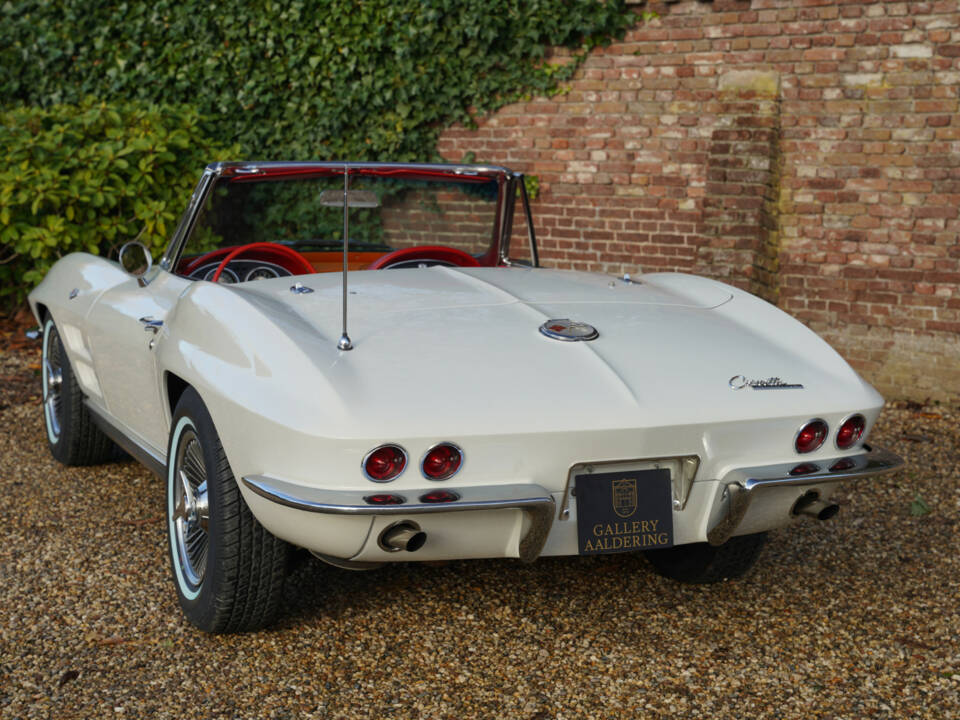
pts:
pixel 460 349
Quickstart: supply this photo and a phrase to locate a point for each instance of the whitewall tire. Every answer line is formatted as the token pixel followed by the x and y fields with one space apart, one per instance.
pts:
pixel 227 569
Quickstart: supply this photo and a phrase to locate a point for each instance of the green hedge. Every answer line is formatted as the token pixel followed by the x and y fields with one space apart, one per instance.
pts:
pixel 333 79
pixel 90 177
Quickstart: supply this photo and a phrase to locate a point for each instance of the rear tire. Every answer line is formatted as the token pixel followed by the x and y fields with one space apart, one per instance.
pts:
pixel 72 435
pixel 703 563
pixel 227 568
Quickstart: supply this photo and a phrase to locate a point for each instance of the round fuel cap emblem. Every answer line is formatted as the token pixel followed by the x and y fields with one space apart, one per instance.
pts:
pixel 568 330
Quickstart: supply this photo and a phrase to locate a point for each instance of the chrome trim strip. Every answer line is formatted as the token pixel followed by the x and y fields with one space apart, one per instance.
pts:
pixel 742 485
pixel 146 457
pixel 247 167
pixel 171 255
pixel 531 235
pixel 530 498
pixel 874 461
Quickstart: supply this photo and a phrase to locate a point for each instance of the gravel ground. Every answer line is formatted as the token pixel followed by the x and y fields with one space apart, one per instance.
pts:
pixel 855 618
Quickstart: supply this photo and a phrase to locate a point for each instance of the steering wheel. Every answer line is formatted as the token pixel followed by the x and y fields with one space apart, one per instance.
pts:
pixel 297 258
pixel 439 254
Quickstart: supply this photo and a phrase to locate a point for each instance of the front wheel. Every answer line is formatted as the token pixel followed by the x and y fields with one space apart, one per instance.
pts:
pixel 228 569
pixel 703 563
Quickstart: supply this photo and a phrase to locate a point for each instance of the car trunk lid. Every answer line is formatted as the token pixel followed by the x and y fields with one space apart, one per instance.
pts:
pixel 457 348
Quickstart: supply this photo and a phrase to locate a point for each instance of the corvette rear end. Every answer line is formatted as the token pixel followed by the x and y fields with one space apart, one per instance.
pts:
pixel 655 397
pixel 464 403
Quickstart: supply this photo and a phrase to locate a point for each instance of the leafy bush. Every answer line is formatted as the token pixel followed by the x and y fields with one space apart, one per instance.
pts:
pixel 286 79
pixel 90 177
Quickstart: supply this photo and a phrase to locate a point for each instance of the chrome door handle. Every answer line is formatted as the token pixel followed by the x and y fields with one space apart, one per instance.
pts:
pixel 151 325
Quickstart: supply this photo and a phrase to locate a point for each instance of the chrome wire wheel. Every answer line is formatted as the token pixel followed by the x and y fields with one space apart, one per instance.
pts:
pixel 228 570
pixel 53 360
pixel 191 509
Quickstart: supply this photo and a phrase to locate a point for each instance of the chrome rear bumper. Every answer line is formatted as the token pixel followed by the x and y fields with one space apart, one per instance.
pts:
pixel 744 484
pixel 532 499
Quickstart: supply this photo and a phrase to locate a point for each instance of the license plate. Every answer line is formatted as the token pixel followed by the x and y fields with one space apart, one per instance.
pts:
pixel 624 511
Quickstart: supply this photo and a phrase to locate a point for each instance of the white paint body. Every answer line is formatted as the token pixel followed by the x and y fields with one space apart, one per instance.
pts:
pixel 454 354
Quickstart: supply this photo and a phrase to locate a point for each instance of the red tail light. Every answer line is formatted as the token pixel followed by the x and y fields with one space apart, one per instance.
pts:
pixel 439 496
pixel 384 499
pixel 441 461
pixel 842 464
pixel 811 436
pixel 851 431
pixel 384 463
pixel 804 469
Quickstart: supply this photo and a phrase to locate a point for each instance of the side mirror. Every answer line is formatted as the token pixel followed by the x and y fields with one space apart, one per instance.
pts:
pixel 135 259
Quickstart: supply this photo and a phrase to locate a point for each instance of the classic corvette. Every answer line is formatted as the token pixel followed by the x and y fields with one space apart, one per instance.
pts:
pixel 365 360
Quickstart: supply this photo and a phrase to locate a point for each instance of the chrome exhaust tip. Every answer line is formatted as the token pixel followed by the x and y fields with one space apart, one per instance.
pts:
pixel 811 505
pixel 404 535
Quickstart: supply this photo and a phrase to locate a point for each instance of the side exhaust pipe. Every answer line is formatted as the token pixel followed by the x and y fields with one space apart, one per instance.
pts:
pixel 404 535
pixel 811 505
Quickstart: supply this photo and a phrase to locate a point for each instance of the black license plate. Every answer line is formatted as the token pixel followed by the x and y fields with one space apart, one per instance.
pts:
pixel 624 511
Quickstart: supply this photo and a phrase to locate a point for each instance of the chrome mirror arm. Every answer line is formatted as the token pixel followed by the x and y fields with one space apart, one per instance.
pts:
pixel 534 254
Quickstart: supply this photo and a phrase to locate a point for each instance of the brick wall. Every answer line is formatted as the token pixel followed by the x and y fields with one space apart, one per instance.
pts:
pixel 427 217
pixel 806 150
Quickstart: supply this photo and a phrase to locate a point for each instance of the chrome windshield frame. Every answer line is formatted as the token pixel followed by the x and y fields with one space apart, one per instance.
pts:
pixel 215 171
pixel 516 186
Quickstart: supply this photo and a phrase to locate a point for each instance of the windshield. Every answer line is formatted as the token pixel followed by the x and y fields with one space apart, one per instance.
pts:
pixel 304 213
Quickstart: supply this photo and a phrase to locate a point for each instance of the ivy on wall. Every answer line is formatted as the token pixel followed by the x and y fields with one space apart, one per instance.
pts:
pixel 291 79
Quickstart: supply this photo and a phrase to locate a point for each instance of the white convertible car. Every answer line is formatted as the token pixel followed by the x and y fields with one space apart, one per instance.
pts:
pixel 461 403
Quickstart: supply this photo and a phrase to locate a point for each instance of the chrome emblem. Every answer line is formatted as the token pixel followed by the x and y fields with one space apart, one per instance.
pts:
pixel 739 382
pixel 568 330
pixel 625 497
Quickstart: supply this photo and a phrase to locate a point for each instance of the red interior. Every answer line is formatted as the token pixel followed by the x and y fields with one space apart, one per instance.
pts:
pixel 298 263
pixel 426 252
pixel 290 254
pixel 285 257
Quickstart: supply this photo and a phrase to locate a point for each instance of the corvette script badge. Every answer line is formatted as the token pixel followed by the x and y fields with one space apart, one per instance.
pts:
pixel 738 382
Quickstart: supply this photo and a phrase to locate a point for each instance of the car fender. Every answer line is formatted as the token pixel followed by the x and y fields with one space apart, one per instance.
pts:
pixel 68 292
pixel 230 347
